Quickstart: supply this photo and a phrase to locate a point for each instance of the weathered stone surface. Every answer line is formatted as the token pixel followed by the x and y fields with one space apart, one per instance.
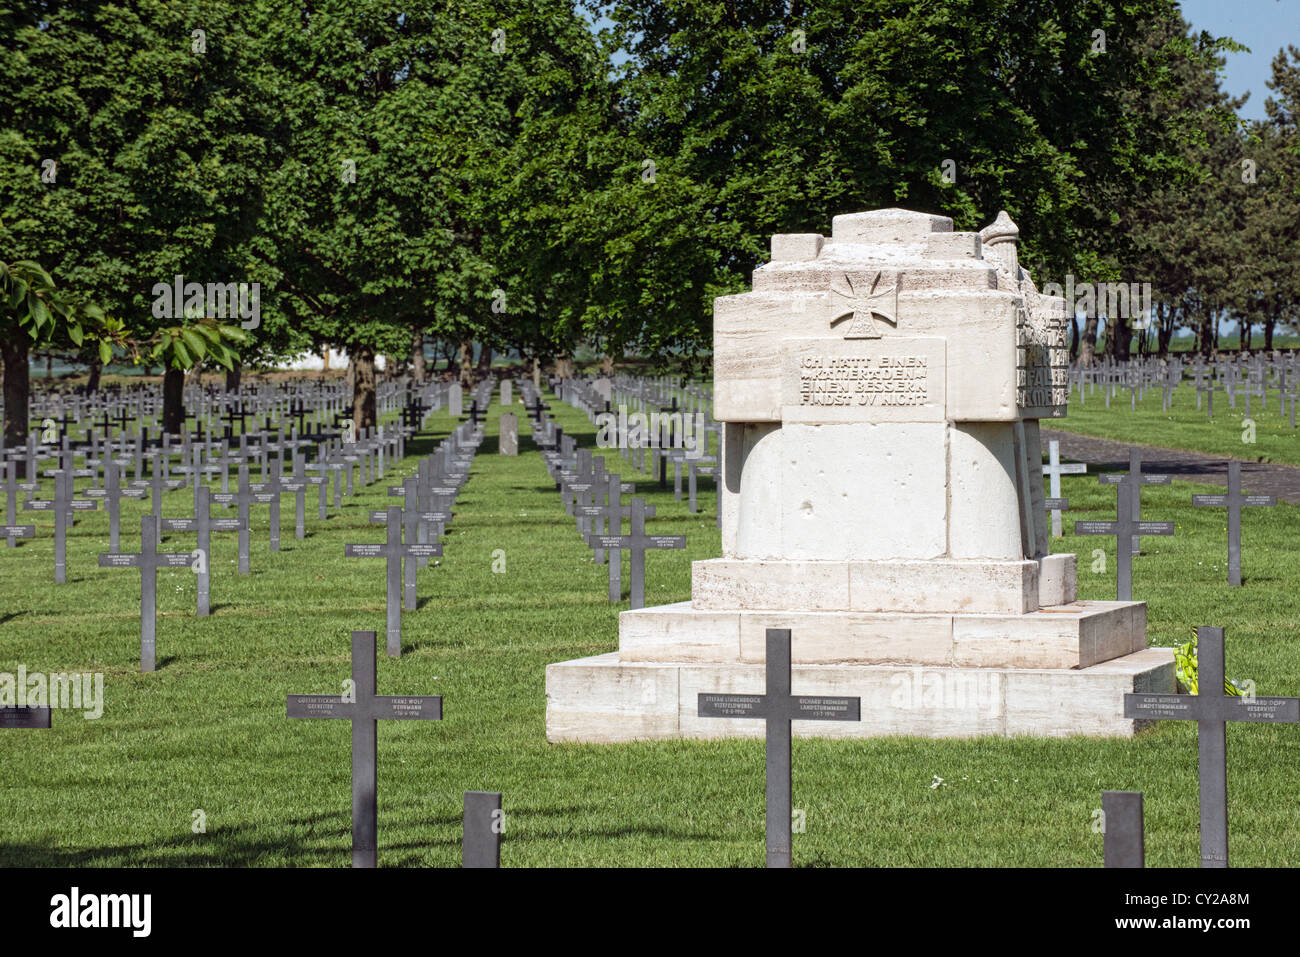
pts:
pixel 807 586
pixel 1058 579
pixel 985 520
pixel 602 699
pixel 970 587
pixel 796 247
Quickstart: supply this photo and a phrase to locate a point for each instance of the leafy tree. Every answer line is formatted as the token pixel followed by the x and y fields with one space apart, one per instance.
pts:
pixel 34 313
pixel 150 123
pixel 771 117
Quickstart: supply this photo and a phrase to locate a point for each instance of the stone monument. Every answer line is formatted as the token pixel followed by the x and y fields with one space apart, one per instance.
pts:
pixel 882 498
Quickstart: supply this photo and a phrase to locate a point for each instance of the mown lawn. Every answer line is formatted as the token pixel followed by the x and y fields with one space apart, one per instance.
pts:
pixel 1183 426
pixel 208 729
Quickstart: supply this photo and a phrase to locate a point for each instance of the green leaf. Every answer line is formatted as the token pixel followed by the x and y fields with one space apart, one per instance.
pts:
pixel 194 342
pixel 75 333
pixel 37 309
pixel 105 353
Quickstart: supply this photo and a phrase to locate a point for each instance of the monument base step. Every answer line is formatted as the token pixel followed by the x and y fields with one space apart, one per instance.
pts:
pixel 1077 635
pixel 607 699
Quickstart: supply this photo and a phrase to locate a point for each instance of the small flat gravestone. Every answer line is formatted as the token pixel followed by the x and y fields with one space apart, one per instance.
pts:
pixel 364 707
pixel 778 707
pixel 508 443
pixel 1123 844
pixel 483 825
pixel 1211 709
pixel 1234 501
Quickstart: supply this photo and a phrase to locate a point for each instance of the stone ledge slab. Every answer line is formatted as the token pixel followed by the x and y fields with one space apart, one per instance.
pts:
pixel 606 700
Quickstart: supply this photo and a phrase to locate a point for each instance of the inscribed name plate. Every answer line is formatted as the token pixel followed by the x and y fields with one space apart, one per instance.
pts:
pixel 864 380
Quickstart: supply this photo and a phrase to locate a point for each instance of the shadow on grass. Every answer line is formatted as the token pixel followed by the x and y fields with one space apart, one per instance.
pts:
pixel 237 846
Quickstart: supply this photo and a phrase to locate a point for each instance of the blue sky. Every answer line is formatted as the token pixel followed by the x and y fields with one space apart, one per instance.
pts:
pixel 1263 25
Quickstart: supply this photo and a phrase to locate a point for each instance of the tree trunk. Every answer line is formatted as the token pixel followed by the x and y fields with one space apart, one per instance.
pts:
pixel 363 388
pixel 174 401
pixel 17 391
pixel 325 360
pixel 564 366
pixel 1270 322
pixel 417 356
pixel 1088 345
pixel 233 375
pixel 537 373
pixel 466 363
pixel 1121 337
pixel 1074 338
pixel 484 362
pixel 1165 330
pixel 92 380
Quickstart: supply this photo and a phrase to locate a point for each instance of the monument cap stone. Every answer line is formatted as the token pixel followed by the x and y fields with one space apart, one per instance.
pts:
pixel 887 226
pixel 796 247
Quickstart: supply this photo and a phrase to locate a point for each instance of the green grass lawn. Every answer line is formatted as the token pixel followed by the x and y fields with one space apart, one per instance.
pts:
pixel 1186 427
pixel 208 729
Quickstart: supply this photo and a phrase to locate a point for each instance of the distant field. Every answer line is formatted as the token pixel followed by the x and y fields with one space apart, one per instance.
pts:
pixel 1183 427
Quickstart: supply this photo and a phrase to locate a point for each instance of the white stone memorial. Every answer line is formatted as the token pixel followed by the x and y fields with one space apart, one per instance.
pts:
pixel 882 497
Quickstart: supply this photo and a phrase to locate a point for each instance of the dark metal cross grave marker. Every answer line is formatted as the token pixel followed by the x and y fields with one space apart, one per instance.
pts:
pixel 148 560
pixel 363 706
pixel 1234 501
pixel 12 487
pixel 1125 529
pixel 778 707
pixel 112 493
pixel 1134 478
pixel 244 498
pixel 204 525
pixel 1211 709
pixel 394 551
pixel 63 505
pixel 637 543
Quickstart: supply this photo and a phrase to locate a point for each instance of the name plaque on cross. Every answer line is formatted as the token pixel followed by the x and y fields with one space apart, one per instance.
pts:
pixel 364 707
pixel 1211 709
pixel 778 707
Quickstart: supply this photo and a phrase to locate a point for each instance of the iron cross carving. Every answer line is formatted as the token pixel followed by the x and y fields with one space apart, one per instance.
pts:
pixel 864 304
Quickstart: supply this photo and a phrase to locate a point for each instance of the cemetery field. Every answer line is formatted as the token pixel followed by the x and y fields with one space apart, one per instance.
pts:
pixel 1185 427
pixel 207 732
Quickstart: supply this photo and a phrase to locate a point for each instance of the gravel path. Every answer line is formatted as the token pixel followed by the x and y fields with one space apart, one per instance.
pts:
pixel 1259 478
